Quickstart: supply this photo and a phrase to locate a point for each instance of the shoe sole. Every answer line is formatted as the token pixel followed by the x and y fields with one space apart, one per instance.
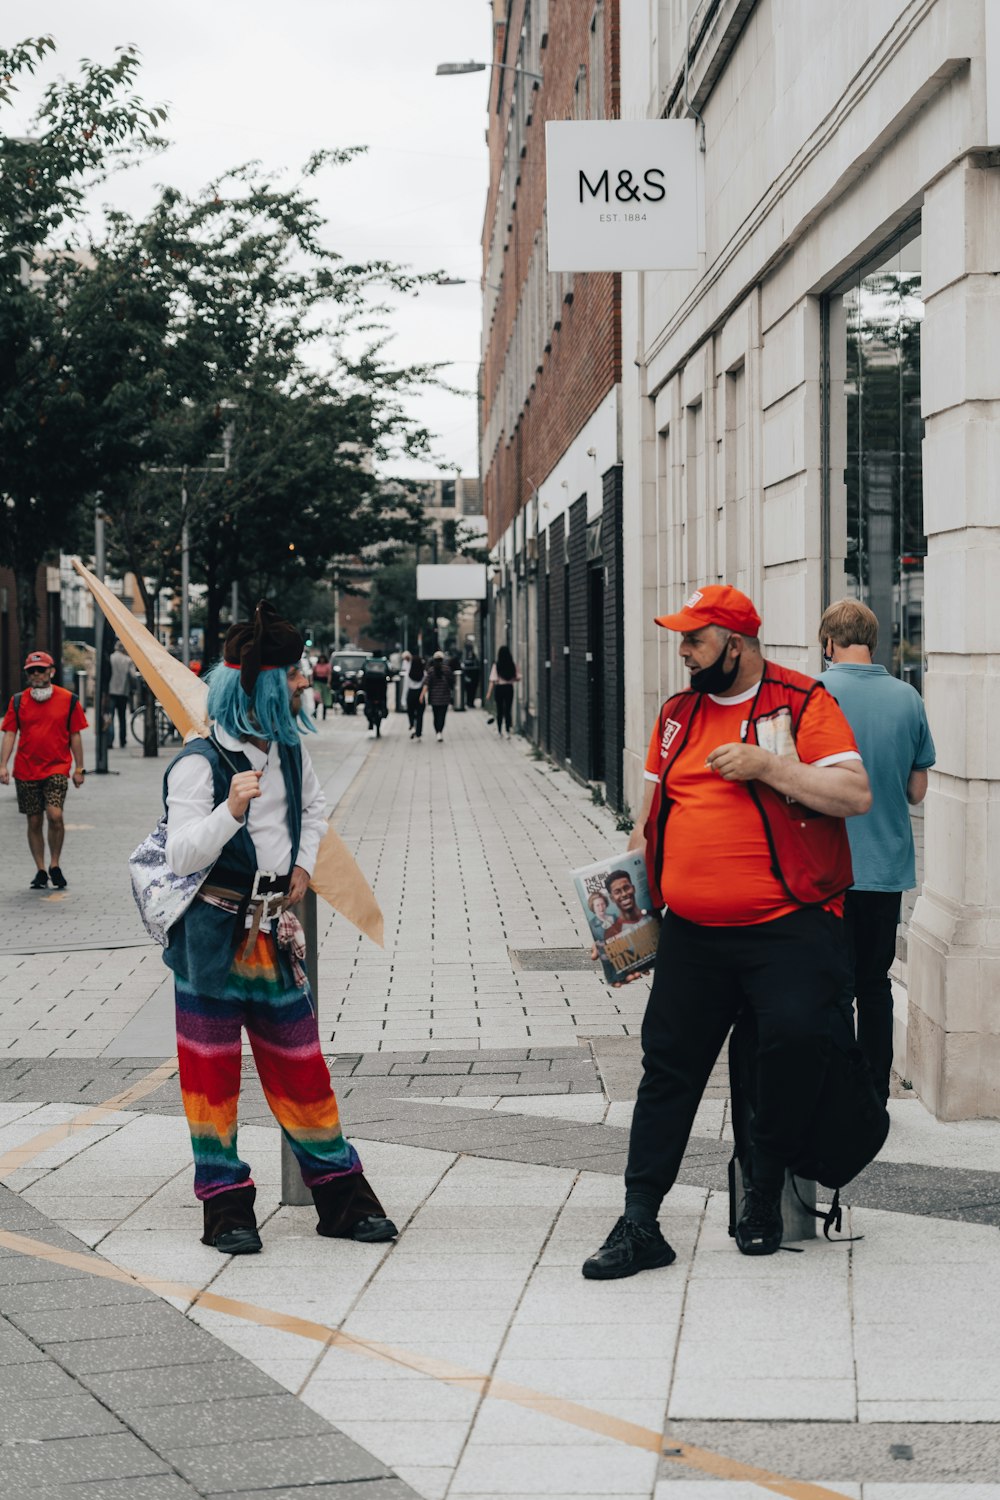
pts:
pixel 757 1247
pixel 666 1258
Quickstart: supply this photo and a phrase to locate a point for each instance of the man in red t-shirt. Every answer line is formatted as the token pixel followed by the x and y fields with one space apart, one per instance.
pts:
pixel 739 765
pixel 46 721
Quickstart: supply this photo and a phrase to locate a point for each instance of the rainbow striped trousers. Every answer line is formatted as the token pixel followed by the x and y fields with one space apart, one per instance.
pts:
pixel 280 1021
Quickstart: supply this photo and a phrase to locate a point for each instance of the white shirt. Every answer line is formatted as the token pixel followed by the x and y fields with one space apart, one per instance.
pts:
pixel 197 832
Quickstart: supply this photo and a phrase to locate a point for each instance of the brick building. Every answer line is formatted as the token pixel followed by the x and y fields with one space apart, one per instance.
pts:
pixel 48 629
pixel 551 387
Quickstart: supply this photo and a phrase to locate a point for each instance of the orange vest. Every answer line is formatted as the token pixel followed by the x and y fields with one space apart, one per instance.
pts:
pixel 810 855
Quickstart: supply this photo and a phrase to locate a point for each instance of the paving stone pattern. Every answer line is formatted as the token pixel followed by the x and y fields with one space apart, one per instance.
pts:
pixel 106 1390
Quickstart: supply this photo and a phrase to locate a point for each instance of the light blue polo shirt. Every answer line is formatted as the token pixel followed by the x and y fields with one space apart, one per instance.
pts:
pixel 890 726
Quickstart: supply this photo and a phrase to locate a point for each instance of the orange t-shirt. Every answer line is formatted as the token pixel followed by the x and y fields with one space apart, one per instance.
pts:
pixel 43 729
pixel 716 860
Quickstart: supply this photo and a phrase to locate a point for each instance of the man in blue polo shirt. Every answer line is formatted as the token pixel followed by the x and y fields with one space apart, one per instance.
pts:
pixel 890 726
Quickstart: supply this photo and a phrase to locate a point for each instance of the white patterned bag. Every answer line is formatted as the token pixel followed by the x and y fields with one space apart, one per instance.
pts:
pixel 161 896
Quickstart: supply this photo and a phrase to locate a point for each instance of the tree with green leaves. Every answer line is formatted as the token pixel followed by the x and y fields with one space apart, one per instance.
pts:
pixel 53 454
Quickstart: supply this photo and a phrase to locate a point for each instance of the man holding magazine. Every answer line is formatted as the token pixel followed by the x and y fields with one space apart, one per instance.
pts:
pixel 751 772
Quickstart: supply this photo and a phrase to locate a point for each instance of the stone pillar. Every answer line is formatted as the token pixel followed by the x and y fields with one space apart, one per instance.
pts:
pixel 953 1039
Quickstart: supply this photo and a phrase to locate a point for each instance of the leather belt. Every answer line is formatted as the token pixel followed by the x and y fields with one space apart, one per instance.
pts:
pixel 264 902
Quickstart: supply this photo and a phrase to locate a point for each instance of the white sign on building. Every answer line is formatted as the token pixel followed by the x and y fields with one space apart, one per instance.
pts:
pixel 451 581
pixel 623 195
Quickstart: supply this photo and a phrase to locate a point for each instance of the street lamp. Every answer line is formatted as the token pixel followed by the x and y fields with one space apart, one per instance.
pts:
pixel 465 281
pixel 450 69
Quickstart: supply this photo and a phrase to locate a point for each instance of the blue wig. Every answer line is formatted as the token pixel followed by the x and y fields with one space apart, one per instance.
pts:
pixel 267 715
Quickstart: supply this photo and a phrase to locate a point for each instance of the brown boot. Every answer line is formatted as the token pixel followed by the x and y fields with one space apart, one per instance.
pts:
pixel 230 1223
pixel 349 1210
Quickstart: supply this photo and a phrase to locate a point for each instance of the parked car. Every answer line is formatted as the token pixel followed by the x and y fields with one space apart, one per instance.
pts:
pixel 346 671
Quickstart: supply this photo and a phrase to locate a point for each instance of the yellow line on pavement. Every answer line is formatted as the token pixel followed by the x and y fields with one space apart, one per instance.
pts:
pixel 571 1412
pixel 20 1156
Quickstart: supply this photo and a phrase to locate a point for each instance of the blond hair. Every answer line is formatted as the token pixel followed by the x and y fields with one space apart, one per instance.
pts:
pixel 849 623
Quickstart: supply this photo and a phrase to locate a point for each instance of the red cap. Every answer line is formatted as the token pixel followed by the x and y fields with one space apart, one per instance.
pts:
pixel 38 659
pixel 715 604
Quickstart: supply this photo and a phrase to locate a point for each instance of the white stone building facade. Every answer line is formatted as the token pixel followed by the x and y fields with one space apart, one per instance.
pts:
pixel 816 411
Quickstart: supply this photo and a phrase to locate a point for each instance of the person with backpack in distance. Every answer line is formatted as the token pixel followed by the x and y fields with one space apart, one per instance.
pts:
pixel 47 722
pixel 751 771
pixel 437 691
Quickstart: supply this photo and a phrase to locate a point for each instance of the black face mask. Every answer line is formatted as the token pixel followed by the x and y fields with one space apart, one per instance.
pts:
pixel 716 678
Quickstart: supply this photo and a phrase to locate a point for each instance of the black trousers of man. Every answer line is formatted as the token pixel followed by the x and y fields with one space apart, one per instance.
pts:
pixel 870 922
pixel 119 704
pixel 791 972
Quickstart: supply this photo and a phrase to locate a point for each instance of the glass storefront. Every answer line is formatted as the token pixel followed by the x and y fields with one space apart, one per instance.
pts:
pixel 874 419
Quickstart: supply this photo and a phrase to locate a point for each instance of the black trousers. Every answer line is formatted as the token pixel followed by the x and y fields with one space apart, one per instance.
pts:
pixel 119 704
pixel 503 694
pixel 440 713
pixel 870 922
pixel 415 712
pixel 791 972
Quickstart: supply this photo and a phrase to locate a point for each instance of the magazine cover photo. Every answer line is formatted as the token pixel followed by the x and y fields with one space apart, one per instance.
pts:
pixel 625 927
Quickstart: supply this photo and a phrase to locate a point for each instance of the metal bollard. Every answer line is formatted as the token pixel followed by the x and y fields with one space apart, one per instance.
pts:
pixel 293 1189
pixel 81 688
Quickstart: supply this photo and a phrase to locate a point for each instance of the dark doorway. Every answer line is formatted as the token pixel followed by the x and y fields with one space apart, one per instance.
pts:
pixel 595 661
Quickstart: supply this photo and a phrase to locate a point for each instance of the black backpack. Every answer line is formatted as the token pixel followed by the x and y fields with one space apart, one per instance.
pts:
pixel 73 701
pixel 847 1131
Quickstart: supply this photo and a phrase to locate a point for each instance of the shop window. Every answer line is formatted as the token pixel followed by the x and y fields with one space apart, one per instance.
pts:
pixel 874 434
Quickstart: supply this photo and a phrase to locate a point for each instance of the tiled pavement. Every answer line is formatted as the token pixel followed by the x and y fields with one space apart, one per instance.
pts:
pixel 869 1367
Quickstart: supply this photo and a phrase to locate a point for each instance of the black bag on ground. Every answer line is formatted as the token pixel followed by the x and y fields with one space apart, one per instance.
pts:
pixel 847 1131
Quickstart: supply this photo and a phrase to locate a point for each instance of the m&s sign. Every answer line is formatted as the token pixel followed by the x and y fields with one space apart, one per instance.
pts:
pixel 623 195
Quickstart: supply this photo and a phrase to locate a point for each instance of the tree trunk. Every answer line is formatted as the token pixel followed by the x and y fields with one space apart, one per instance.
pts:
pixel 213 627
pixel 150 739
pixel 27 609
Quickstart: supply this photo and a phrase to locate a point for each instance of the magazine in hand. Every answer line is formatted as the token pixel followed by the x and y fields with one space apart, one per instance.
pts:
pixel 624 924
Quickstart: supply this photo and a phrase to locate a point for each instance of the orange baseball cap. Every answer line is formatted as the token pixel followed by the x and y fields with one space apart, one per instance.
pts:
pixel 38 659
pixel 715 604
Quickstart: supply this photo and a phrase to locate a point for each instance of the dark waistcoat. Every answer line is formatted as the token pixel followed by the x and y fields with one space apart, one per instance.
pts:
pixel 203 942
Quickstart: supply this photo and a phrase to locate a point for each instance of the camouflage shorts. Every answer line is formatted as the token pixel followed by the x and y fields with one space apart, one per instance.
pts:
pixel 35 796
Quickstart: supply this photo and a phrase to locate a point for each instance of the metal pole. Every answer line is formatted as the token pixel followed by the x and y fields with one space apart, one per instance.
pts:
pixel 100 732
pixel 293 1189
pixel 185 576
pixel 336 617
pixel 235 603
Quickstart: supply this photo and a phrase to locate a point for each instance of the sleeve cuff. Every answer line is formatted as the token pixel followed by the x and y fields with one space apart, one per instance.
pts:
pixel 650 776
pixel 836 760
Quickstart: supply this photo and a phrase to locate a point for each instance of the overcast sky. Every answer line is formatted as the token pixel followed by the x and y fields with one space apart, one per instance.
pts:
pixel 246 79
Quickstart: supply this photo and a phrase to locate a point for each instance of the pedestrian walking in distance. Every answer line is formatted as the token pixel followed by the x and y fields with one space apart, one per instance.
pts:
pixel 437 690
pixel 503 676
pixel 321 685
pixel 118 693
pixel 414 678
pixel 247 803
pixel 890 726
pixel 46 722
pixel 751 772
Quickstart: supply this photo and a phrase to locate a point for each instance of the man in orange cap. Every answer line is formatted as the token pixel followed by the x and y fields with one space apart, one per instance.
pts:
pixel 751 771
pixel 46 721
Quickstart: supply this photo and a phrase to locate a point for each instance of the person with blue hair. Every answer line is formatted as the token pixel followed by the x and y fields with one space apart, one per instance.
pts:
pixel 245 806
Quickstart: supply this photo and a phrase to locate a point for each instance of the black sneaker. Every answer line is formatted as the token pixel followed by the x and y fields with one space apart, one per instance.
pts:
pixel 238 1242
pixel 374 1229
pixel 760 1228
pixel 630 1247
pixel 58 878
pixel 40 881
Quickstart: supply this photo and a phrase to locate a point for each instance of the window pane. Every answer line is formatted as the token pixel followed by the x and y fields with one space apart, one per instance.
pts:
pixel 883 311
